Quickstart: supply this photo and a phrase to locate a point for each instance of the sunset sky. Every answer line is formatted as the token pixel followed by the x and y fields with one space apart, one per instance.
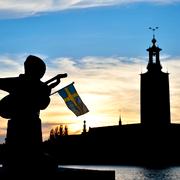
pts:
pixel 101 44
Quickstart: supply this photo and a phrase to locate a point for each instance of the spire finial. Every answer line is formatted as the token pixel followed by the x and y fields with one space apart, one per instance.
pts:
pixel 120 120
pixel 84 127
pixel 153 30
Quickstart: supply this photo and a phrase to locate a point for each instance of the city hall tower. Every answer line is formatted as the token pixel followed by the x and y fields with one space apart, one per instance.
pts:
pixel 154 91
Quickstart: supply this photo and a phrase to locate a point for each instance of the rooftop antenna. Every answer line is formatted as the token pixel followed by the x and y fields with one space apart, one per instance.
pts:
pixel 153 30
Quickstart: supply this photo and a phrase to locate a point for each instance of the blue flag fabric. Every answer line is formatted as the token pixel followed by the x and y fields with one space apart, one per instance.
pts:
pixel 73 100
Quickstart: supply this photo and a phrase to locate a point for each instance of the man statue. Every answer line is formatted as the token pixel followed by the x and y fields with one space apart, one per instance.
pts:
pixel 27 96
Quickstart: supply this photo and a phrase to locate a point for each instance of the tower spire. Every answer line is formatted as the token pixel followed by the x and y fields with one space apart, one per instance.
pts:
pixel 84 127
pixel 154 61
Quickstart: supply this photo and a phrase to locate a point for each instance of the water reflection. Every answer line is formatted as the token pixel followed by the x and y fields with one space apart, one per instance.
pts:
pixel 158 174
pixel 138 173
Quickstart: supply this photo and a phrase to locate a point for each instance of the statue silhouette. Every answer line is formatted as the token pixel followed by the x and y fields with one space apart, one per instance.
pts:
pixel 27 96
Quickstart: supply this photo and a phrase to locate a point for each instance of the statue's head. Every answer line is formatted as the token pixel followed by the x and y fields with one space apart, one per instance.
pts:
pixel 34 67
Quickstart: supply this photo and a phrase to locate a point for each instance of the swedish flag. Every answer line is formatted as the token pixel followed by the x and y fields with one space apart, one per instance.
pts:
pixel 73 100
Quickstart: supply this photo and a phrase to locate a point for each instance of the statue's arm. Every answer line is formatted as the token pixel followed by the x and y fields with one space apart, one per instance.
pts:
pixel 53 82
pixel 44 98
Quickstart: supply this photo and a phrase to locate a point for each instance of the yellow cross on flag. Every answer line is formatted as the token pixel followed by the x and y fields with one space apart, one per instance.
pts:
pixel 73 100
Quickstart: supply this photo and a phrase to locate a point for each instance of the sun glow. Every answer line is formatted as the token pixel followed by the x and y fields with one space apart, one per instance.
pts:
pixel 108 87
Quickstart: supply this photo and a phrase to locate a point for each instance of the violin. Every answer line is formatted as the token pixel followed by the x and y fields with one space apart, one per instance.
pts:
pixel 8 103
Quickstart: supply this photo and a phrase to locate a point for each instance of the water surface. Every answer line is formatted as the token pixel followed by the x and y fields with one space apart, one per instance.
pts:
pixel 137 173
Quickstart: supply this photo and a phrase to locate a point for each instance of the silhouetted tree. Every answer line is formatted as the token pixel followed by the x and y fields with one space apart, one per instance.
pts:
pixel 61 130
pixel 52 134
pixel 56 132
pixel 66 131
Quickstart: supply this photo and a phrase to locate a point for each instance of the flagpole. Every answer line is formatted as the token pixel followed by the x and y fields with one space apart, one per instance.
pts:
pixel 54 92
pixel 60 89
